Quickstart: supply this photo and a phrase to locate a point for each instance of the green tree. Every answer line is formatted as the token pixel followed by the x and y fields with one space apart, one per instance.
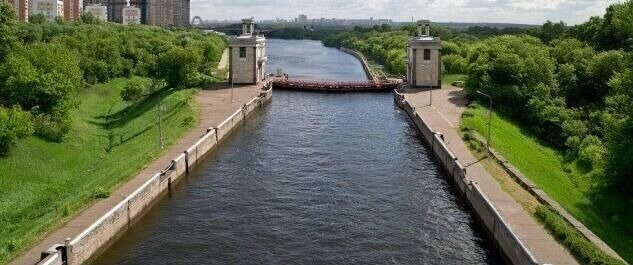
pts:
pixel 619 130
pixel 43 79
pixel 179 67
pixel 7 28
pixel 38 19
pixel 136 89
pixel 551 31
pixel 14 124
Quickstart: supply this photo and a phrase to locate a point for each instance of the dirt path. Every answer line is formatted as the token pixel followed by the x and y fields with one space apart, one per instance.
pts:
pixel 215 106
pixel 444 116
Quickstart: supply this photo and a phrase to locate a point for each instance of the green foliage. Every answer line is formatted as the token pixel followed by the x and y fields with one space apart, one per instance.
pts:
pixel 89 18
pixel 619 130
pixel 178 66
pixel 101 193
pixel 512 69
pixel 14 124
pixel 38 19
pixel 136 89
pixel 54 61
pixel 613 31
pixel 7 28
pixel 45 182
pixel 454 64
pixel 573 240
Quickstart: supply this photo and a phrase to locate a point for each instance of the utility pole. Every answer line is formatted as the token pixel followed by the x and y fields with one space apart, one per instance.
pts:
pixel 489 119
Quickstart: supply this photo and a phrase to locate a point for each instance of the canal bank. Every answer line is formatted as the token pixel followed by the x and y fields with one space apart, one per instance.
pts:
pixel 521 239
pixel 316 178
pixel 215 105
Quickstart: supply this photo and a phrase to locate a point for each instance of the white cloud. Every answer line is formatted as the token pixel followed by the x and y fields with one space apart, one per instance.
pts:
pixel 509 11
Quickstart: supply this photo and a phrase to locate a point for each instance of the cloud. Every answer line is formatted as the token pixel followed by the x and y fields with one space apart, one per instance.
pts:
pixel 509 11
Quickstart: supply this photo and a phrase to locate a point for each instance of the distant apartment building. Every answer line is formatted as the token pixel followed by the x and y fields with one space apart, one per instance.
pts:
pixel 72 9
pixel 168 13
pixel 21 8
pixel 51 9
pixel 131 15
pixel 98 10
pixel 302 19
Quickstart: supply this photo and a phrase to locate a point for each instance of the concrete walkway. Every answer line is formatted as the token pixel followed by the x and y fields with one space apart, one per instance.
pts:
pixel 215 106
pixel 444 116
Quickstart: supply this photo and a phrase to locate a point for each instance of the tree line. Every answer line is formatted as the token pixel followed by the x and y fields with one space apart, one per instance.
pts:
pixel 573 86
pixel 45 65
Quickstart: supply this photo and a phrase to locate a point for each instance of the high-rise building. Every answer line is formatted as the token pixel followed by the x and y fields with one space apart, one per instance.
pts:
pixel 21 8
pixel 181 13
pixel 51 9
pixel 98 10
pixel 168 13
pixel 131 15
pixel 71 10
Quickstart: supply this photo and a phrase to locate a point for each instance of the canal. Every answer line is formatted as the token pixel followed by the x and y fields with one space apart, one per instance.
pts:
pixel 313 179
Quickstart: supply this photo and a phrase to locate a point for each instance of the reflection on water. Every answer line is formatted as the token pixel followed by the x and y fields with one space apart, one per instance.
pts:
pixel 314 179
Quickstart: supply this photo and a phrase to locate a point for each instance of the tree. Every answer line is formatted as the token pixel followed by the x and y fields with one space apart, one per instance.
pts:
pixel 89 18
pixel 179 67
pixel 136 89
pixel 551 31
pixel 38 19
pixel 511 69
pixel 43 79
pixel 14 124
pixel 618 123
pixel 7 28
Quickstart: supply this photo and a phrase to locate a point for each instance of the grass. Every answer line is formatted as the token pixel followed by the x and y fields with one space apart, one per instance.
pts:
pixel 44 183
pixel 607 214
pixel 584 250
pixel 449 79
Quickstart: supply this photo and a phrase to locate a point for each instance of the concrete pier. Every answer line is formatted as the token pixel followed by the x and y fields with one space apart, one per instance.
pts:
pixel 215 104
pixel 514 231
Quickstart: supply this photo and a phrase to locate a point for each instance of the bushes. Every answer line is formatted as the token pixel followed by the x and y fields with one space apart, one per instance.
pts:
pixel 573 240
pixel 47 64
pixel 454 64
pixel 136 89
pixel 14 124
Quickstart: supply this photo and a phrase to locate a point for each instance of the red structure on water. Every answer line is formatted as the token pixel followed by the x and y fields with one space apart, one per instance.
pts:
pixel 336 86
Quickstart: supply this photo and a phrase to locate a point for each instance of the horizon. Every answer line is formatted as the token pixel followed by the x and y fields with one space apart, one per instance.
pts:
pixel 530 12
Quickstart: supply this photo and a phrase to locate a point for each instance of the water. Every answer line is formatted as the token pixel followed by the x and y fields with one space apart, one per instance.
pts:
pixel 306 59
pixel 313 179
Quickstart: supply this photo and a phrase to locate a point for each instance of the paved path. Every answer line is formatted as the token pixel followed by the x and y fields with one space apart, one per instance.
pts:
pixel 215 106
pixel 444 116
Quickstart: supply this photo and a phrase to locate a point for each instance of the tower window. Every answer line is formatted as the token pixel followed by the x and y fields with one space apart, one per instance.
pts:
pixel 427 54
pixel 242 52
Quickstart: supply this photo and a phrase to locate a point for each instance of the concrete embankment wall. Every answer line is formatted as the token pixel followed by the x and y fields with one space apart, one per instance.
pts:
pixel 503 236
pixel 105 230
pixel 363 61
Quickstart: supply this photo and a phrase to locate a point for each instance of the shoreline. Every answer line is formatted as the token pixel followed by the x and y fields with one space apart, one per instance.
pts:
pixel 214 106
pixel 515 233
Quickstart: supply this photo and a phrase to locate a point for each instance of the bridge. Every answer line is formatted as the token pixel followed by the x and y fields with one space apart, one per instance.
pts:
pixel 336 86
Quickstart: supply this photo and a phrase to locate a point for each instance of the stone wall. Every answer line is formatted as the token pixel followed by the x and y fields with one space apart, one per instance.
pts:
pixel 505 239
pixel 363 61
pixel 97 237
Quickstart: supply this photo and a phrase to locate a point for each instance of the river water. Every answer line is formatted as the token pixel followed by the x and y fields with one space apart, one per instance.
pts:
pixel 314 179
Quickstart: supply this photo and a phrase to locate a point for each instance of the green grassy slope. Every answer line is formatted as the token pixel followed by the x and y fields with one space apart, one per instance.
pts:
pixel 607 214
pixel 44 182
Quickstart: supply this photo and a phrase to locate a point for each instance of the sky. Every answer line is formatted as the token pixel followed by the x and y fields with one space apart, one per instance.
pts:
pixel 498 11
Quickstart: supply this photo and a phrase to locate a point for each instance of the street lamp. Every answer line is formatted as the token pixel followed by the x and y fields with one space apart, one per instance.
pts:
pixel 160 118
pixel 489 119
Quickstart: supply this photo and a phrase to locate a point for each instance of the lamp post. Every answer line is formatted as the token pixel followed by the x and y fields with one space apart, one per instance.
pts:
pixel 489 119
pixel 160 118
